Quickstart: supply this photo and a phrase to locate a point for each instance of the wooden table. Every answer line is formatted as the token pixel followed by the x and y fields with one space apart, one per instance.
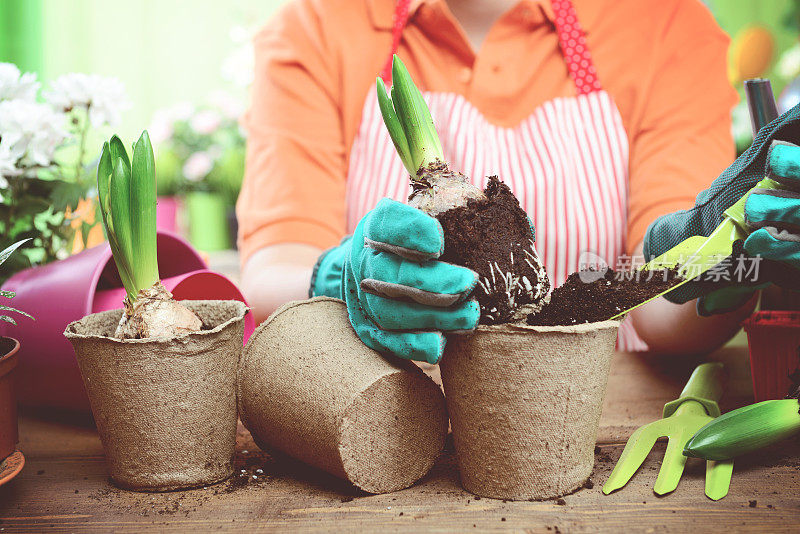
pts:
pixel 64 486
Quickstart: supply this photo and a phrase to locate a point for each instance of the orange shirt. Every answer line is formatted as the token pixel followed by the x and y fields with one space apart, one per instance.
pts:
pixel 663 62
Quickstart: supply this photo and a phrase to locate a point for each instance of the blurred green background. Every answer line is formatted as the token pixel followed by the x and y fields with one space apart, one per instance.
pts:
pixel 164 51
pixel 186 66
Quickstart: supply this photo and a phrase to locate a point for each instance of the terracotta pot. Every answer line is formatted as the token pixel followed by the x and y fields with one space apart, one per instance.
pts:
pixel 309 388
pixel 165 408
pixel 525 405
pixel 773 339
pixel 64 291
pixel 8 397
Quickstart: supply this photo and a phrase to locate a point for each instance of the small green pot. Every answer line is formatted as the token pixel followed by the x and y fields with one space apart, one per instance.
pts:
pixel 208 221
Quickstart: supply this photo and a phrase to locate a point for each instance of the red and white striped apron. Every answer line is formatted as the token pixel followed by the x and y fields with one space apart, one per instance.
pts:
pixel 567 162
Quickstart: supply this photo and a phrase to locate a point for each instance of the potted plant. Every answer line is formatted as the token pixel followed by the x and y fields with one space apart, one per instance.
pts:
pixel 525 389
pixel 160 374
pixel 201 158
pixel 46 190
pixel 8 362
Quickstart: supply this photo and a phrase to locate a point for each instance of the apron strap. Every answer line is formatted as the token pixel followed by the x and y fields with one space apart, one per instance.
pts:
pixel 571 38
pixel 399 20
pixel 576 54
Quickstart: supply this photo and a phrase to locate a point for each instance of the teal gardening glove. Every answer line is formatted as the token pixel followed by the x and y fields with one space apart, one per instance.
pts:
pixel 771 253
pixel 399 298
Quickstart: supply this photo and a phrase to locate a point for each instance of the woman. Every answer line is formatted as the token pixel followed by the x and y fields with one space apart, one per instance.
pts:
pixel 600 115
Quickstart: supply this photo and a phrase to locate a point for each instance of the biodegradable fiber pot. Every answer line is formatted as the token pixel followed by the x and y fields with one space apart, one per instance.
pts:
pixel 309 388
pixel 525 405
pixel 165 408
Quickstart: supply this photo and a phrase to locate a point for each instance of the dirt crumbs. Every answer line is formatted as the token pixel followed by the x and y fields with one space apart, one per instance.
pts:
pixel 592 296
pixel 248 474
pixel 493 237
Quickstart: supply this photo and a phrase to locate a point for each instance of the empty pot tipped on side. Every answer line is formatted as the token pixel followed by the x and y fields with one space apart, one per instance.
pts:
pixel 309 387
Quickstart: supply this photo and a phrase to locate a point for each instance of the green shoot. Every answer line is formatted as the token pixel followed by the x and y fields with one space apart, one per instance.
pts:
pixel 127 195
pixel 409 121
pixel 4 255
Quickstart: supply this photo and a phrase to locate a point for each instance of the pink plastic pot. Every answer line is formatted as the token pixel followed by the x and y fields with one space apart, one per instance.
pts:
pixel 774 341
pixel 195 285
pixel 67 290
pixel 167 213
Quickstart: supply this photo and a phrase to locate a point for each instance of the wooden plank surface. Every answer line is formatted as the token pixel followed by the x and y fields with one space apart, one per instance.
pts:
pixel 64 486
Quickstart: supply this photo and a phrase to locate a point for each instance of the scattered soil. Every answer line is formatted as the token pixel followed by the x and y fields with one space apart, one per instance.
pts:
pixel 593 295
pixel 253 469
pixel 493 237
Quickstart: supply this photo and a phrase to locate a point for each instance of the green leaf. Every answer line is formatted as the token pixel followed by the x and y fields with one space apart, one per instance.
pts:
pixel 104 177
pixel 66 195
pixel 7 294
pixel 104 170
pixel 121 216
pixel 8 319
pixel 6 308
pixel 414 115
pixel 118 152
pixel 6 253
pixel 392 123
pixel 30 205
pixel 143 206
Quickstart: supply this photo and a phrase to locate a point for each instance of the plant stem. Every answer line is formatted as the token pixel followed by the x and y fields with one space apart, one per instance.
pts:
pixel 84 133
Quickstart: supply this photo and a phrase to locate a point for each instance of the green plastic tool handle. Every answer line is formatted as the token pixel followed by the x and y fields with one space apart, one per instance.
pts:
pixel 704 386
pixel 736 212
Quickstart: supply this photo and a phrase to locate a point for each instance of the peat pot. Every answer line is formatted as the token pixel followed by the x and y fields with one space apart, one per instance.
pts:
pixel 86 283
pixel 165 408
pixel 309 388
pixel 525 405
pixel 8 397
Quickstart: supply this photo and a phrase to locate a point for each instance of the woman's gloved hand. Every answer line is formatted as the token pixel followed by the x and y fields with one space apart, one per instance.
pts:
pixel 774 215
pixel 400 299
pixel 772 251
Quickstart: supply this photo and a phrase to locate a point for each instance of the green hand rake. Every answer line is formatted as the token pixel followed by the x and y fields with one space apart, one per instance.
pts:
pixel 682 417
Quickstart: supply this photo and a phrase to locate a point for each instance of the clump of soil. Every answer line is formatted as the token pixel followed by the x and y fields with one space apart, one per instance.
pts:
pixel 493 237
pixel 590 296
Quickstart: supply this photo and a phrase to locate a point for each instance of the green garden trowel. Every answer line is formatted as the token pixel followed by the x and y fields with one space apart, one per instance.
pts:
pixel 698 254
pixel 683 417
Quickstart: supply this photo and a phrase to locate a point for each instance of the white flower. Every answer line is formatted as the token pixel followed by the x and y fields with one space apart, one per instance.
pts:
pixel 30 133
pixel 104 97
pixel 8 163
pixel 205 122
pixel 14 86
pixel 197 166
